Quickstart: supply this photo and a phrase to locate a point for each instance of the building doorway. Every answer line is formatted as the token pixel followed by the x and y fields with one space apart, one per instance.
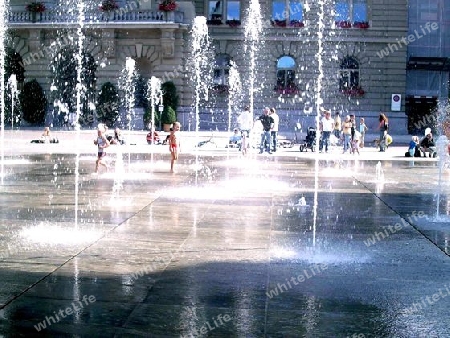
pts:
pixel 421 112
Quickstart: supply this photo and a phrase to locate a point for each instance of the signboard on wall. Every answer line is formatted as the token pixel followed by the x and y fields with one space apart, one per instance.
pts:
pixel 396 102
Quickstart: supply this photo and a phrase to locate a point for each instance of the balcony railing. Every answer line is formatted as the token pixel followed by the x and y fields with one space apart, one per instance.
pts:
pixel 121 15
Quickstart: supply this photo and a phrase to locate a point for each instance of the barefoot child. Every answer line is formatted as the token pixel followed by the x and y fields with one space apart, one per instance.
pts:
pixel 101 142
pixel 174 144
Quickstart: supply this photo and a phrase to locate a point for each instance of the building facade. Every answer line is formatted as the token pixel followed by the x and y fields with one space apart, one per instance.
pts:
pixel 342 55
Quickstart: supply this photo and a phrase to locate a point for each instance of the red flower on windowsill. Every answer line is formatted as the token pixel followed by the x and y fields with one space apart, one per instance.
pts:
pixel 233 23
pixel 296 23
pixel 167 6
pixel 36 7
pixel 108 5
pixel 214 22
pixel 354 92
pixel 343 24
pixel 220 89
pixel 288 90
pixel 278 23
pixel 361 25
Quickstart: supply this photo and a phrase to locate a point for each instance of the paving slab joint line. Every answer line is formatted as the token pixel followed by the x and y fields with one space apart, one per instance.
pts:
pixel 412 225
pixel 73 256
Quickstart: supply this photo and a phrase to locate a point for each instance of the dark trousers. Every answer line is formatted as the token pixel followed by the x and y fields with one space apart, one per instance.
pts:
pixel 325 140
pixel 274 137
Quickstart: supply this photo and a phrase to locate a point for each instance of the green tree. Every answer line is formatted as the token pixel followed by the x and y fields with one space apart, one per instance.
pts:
pixel 108 104
pixel 64 67
pixel 170 96
pixel 33 101
pixel 13 65
pixel 169 116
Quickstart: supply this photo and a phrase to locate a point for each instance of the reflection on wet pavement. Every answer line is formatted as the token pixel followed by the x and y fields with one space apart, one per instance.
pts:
pixel 227 247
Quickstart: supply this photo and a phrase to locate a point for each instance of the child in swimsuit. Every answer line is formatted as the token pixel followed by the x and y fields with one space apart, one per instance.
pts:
pixel 101 142
pixel 174 144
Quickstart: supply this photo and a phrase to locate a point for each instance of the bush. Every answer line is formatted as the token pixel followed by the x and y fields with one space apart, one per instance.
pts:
pixel 33 102
pixel 170 97
pixel 169 116
pixel 108 104
pixel 148 118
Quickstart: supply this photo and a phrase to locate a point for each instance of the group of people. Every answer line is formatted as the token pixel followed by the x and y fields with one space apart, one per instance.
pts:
pixel 103 141
pixel 347 132
pixel 268 122
pixel 425 146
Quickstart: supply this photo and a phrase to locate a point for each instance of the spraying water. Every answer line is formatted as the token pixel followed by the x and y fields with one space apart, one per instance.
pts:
pixel 126 83
pixel 319 103
pixel 200 63
pixel 12 82
pixel 253 29
pixel 379 174
pixel 3 27
pixel 79 91
pixel 155 96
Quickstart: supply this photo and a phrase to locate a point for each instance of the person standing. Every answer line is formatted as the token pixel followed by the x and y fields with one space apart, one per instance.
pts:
pixel 362 130
pixel 101 142
pixel 347 133
pixel 274 130
pixel 383 127
pixel 174 144
pixel 326 125
pixel 337 125
pixel 245 123
pixel 267 124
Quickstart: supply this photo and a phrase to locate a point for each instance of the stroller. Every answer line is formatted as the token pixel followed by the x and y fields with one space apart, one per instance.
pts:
pixel 310 141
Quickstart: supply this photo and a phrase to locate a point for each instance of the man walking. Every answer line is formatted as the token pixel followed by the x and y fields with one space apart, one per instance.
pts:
pixel 326 128
pixel 274 130
pixel 267 123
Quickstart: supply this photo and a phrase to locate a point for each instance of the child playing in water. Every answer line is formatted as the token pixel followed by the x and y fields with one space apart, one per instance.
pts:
pixel 174 144
pixel 101 142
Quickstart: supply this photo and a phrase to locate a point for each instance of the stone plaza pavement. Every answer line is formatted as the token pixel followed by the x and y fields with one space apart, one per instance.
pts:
pixel 284 245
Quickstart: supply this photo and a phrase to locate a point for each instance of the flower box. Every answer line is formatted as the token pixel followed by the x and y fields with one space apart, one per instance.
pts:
pixel 214 22
pixel 167 6
pixel 220 89
pixel 279 23
pixel 296 23
pixel 35 7
pixel 291 90
pixel 108 5
pixel 233 23
pixel 343 24
pixel 354 92
pixel 361 25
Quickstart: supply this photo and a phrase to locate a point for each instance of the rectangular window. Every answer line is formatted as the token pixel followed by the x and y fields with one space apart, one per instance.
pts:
pixel 351 11
pixel 288 10
pixel 359 11
pixel 342 11
pixel 215 10
pixel 233 10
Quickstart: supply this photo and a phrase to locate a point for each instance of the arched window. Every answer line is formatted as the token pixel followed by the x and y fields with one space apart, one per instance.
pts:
pixel 349 74
pixel 349 77
pixel 286 73
pixel 221 69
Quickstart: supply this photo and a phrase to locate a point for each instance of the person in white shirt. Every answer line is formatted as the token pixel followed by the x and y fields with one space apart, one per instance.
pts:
pixel 274 130
pixel 326 128
pixel 245 123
